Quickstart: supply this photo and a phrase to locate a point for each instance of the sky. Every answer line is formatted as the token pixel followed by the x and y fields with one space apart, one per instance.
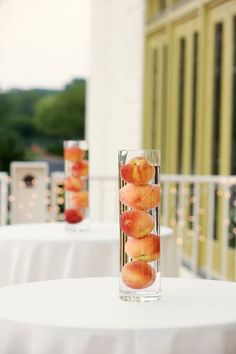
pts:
pixel 43 43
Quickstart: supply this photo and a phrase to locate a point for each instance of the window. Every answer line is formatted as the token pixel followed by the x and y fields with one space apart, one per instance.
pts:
pixel 232 216
pixel 181 102
pixel 194 98
pixel 162 5
pixel 233 147
pixel 217 77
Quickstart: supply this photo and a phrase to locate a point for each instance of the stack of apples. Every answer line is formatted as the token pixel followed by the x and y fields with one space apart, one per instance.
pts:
pixel 141 198
pixel 75 184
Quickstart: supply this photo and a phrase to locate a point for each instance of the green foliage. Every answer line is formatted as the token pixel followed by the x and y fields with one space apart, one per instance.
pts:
pixel 62 115
pixel 11 148
pixel 41 118
pixel 24 125
pixel 22 102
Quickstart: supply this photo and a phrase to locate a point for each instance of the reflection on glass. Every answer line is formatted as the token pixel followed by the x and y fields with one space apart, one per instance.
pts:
pixel 164 106
pixel 154 96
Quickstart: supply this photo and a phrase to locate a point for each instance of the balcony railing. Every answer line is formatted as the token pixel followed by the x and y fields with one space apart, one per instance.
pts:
pixel 200 209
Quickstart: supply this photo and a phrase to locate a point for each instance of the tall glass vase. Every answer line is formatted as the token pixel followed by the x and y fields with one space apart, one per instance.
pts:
pixel 76 184
pixel 139 202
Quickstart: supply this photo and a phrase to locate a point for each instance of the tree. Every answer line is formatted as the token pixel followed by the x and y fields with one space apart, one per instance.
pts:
pixel 62 115
pixel 12 148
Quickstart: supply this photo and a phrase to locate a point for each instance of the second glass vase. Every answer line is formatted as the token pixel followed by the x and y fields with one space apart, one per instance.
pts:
pixel 76 183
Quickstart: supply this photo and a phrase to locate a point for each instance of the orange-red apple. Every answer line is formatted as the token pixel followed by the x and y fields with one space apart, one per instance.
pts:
pixel 80 200
pixel 74 153
pixel 138 275
pixel 137 171
pixel 73 184
pixel 146 248
pixel 140 197
pixel 80 169
pixel 73 216
pixel 136 223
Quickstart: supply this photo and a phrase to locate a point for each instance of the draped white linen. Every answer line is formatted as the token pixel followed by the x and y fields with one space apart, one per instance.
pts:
pixel 34 252
pixel 86 316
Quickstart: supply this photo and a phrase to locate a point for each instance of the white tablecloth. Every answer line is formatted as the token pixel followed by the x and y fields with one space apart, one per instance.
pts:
pixel 33 252
pixel 86 316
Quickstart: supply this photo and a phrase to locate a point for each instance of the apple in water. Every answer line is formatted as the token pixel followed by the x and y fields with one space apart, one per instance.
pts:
pixel 137 171
pixel 73 184
pixel 143 197
pixel 146 248
pixel 80 169
pixel 74 153
pixel 136 223
pixel 138 275
pixel 73 216
pixel 80 200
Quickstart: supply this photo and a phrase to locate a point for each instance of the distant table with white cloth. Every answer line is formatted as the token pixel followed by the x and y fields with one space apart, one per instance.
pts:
pixel 86 316
pixel 34 252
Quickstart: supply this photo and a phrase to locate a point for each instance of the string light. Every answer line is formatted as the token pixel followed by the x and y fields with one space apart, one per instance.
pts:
pixel 219 193
pixel 226 222
pixel 202 238
pixel 202 211
pixel 11 198
pixel 60 201
pixel 34 181
pixel 179 241
pixel 180 212
pixel 227 195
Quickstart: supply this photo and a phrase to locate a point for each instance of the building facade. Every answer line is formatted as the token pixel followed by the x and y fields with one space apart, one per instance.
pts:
pixel 190 110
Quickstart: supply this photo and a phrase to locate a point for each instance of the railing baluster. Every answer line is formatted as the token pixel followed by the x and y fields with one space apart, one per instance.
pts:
pixel 180 224
pixel 225 232
pixel 4 198
pixel 210 228
pixel 195 239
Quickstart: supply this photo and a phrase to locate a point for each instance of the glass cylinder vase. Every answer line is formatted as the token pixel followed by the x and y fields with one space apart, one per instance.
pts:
pixel 76 184
pixel 139 208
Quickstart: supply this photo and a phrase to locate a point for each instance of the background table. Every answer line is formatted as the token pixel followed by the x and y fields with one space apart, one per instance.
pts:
pixel 32 252
pixel 86 316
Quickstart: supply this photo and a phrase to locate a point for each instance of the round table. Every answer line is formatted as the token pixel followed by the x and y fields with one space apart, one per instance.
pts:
pixel 34 252
pixel 86 316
